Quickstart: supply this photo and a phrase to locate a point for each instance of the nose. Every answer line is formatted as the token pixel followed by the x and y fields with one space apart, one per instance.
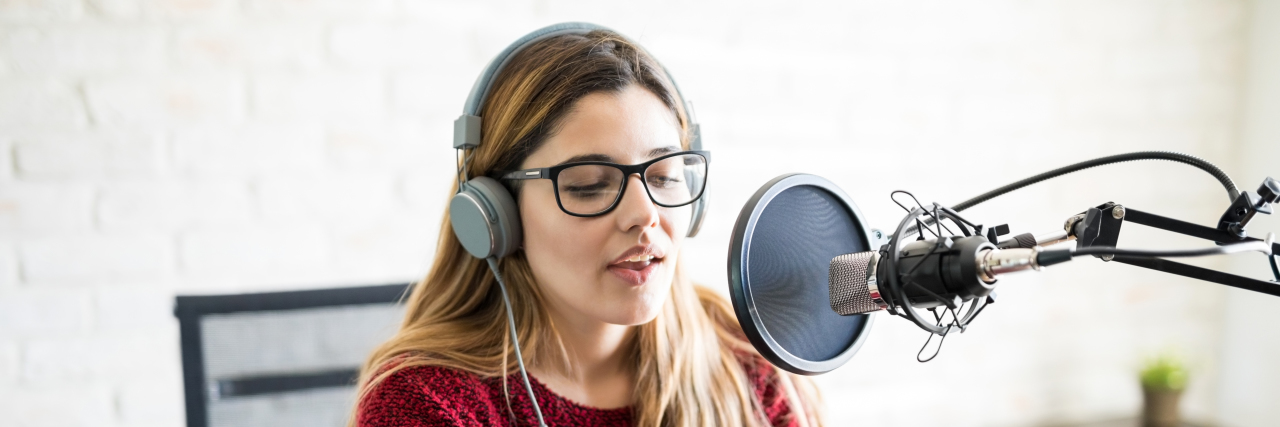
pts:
pixel 635 208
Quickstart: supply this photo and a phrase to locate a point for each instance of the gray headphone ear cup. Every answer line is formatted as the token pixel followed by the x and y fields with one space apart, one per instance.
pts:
pixel 485 218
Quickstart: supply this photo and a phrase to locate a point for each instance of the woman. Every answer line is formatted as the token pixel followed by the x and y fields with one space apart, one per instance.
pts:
pixel 611 330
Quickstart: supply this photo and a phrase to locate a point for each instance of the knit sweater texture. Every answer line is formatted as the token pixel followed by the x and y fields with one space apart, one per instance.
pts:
pixel 430 396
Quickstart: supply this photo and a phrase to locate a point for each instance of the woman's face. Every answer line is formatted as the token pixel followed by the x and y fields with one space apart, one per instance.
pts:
pixel 576 260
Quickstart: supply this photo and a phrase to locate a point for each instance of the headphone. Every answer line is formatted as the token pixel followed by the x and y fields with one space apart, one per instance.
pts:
pixel 483 214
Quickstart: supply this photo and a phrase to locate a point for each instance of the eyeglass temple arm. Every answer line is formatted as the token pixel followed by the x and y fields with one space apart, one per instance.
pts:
pixel 527 174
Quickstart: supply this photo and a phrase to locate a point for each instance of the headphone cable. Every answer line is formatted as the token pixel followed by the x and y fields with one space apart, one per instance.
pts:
pixel 515 339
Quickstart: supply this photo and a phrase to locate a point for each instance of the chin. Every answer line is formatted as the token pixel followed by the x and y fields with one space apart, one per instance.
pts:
pixel 638 310
pixel 638 318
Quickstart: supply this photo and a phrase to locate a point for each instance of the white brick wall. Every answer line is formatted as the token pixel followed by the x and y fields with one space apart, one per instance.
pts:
pixel 8 363
pixel 219 151
pixel 90 260
pixel 40 102
pixel 231 45
pixel 152 102
pixel 110 357
pixel 156 147
pixel 45 208
pixel 176 204
pixel 42 313
pixel 71 156
pixel 59 405
pixel 150 403
pixel 86 50
pixel 8 268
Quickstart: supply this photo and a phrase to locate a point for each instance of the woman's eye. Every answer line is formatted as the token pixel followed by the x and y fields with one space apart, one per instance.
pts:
pixel 664 181
pixel 587 191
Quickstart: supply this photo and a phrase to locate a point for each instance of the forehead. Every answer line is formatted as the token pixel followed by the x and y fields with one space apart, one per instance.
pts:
pixel 623 127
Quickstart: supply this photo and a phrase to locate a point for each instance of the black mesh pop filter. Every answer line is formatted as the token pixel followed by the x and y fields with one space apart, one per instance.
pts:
pixel 779 260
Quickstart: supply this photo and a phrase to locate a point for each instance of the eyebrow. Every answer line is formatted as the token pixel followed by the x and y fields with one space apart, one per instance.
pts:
pixel 596 157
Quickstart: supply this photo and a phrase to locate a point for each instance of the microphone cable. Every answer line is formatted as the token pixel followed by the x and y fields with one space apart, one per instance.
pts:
pixel 1232 192
pixel 515 339
pixel 1222 177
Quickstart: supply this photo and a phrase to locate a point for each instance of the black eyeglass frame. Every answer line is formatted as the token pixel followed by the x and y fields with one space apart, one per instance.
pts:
pixel 553 172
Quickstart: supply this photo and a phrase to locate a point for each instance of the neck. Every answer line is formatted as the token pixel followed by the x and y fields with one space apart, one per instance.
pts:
pixel 595 349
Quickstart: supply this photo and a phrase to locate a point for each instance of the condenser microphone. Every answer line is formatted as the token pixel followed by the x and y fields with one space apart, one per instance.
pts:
pixel 960 269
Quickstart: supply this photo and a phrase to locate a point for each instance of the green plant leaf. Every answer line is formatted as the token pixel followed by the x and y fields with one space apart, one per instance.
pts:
pixel 1165 373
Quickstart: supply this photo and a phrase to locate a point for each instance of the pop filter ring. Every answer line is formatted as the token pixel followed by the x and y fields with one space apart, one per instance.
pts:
pixel 744 304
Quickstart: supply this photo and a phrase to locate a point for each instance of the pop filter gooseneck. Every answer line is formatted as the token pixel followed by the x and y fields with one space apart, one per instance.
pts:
pixel 783 243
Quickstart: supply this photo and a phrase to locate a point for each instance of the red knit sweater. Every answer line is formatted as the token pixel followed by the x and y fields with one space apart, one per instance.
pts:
pixel 429 396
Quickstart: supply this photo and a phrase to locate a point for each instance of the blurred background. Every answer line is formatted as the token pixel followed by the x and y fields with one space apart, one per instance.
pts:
pixel 151 148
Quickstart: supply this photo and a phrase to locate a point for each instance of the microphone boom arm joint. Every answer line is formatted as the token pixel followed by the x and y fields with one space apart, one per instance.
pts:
pixel 1100 227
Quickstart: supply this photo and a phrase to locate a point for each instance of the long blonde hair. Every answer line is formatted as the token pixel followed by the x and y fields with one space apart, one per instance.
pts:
pixel 691 362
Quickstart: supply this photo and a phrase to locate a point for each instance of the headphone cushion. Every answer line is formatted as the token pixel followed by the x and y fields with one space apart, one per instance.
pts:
pixel 485 218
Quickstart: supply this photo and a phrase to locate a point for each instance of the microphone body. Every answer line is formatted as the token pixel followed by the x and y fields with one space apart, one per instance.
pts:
pixel 932 271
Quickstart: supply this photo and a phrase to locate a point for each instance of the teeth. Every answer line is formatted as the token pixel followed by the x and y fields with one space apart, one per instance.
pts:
pixel 639 258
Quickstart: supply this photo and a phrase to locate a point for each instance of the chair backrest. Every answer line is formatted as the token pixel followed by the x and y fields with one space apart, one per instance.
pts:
pixel 280 358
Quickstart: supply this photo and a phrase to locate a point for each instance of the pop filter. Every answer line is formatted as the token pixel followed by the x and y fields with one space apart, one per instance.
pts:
pixel 779 260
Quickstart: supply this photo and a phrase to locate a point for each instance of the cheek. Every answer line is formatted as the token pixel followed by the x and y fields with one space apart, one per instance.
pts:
pixel 554 242
pixel 676 221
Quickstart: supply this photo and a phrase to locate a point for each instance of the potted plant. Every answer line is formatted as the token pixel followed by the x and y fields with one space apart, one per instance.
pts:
pixel 1163 379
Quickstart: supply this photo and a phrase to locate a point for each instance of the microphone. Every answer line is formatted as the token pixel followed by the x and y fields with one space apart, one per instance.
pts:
pixel 960 269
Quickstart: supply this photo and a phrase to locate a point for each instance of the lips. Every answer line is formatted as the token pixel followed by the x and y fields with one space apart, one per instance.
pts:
pixel 636 264
pixel 635 273
pixel 638 251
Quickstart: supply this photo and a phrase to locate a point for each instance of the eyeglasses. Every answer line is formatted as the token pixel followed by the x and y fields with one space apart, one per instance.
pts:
pixel 587 189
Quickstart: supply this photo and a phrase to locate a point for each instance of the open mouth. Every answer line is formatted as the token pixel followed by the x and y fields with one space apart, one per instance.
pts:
pixel 636 270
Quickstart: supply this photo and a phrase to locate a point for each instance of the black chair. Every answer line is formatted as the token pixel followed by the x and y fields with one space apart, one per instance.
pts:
pixel 280 358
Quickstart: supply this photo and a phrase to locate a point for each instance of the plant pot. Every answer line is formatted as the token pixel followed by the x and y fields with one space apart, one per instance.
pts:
pixel 1160 407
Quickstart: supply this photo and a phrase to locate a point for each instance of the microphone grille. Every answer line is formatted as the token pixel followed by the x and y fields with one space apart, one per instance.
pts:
pixel 853 285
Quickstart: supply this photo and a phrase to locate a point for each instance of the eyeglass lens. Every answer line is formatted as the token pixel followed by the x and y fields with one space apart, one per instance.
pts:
pixel 591 189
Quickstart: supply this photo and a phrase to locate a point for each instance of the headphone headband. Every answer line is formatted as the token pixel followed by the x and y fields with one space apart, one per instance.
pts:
pixel 480 90
pixel 466 129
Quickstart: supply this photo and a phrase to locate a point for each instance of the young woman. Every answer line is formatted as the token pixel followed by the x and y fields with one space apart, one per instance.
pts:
pixel 611 330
